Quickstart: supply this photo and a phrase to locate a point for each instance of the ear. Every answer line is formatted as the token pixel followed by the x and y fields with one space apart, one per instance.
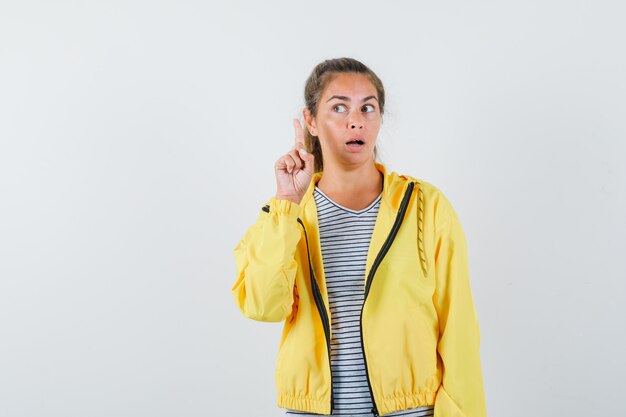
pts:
pixel 310 121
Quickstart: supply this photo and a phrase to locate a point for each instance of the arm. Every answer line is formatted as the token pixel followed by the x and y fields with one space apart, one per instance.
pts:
pixel 265 262
pixel 461 391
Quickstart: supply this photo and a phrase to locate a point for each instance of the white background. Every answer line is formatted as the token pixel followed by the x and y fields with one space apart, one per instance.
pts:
pixel 138 140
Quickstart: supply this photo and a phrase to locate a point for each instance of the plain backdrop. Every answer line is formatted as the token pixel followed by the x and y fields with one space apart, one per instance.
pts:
pixel 138 140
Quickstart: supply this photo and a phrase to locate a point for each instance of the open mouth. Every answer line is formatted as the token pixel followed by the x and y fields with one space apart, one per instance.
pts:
pixel 355 143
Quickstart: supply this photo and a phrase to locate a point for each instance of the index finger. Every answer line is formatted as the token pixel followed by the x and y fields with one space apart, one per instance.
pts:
pixel 299 132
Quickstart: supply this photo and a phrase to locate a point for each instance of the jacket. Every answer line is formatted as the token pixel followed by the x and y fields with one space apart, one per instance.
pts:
pixel 419 326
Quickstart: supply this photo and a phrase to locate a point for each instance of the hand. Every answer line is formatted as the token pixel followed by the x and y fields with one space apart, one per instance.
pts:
pixel 294 170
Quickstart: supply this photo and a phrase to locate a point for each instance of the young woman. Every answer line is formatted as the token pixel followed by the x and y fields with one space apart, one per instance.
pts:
pixel 367 269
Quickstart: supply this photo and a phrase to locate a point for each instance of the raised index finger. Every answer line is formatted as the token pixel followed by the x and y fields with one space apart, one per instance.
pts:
pixel 299 132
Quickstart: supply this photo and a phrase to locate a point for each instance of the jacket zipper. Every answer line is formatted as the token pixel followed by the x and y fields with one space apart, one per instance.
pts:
pixel 319 302
pixel 370 277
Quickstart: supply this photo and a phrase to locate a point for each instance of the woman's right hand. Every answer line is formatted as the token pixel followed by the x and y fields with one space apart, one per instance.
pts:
pixel 294 170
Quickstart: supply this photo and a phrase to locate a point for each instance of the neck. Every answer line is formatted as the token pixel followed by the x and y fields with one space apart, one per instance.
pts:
pixel 338 180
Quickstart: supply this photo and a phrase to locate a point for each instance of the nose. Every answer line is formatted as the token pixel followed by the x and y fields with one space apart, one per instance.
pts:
pixel 356 121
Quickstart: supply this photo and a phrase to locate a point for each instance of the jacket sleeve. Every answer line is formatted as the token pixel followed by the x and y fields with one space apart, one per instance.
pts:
pixel 461 392
pixel 265 263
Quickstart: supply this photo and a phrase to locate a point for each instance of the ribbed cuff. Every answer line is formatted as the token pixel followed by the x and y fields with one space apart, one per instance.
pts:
pixel 284 207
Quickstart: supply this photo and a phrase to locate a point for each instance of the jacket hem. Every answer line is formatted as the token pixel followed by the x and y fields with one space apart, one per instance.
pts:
pixel 308 404
pixel 404 402
pixel 388 405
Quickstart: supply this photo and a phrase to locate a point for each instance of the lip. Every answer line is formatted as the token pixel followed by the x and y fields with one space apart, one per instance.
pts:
pixel 361 138
pixel 355 148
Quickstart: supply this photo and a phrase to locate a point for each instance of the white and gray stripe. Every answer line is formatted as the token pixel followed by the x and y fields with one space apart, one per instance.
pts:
pixel 345 237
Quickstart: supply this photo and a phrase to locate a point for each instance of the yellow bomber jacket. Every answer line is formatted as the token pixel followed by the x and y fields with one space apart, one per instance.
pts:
pixel 419 327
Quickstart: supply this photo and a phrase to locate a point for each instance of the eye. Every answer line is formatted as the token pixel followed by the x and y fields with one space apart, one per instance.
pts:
pixel 371 107
pixel 340 106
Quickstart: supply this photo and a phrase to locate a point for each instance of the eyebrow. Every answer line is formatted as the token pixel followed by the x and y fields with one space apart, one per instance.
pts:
pixel 348 98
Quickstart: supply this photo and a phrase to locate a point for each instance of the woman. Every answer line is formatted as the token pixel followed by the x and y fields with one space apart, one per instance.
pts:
pixel 366 268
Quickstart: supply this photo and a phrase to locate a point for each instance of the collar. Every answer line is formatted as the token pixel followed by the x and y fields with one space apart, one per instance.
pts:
pixel 394 187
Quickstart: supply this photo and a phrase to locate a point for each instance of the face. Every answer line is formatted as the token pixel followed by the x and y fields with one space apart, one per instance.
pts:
pixel 347 111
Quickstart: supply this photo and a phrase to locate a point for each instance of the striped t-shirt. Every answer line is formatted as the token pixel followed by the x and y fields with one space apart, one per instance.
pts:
pixel 345 238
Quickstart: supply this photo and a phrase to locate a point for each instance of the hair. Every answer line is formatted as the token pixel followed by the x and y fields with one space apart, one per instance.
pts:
pixel 320 77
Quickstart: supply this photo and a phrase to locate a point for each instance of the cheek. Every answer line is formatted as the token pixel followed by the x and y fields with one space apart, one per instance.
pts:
pixel 332 125
pixel 331 133
pixel 374 123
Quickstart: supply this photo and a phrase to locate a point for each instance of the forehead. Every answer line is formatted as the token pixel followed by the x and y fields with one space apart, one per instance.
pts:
pixel 350 84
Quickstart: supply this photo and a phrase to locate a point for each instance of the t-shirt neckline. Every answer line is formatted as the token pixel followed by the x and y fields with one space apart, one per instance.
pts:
pixel 346 208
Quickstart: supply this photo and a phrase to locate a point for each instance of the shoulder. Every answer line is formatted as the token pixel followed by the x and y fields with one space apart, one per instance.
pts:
pixel 434 202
